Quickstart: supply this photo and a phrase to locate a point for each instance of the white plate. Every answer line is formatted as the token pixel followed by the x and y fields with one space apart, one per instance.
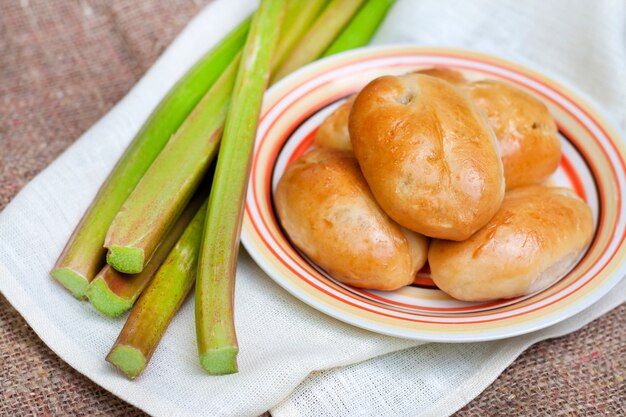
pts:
pixel 592 164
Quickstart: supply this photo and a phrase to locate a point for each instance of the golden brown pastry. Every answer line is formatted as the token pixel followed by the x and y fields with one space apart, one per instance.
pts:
pixel 333 132
pixel 446 74
pixel 536 237
pixel 328 212
pixel 428 155
pixel 527 132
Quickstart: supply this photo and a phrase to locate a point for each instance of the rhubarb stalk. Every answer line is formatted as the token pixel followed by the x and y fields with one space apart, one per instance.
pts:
pixel 113 293
pixel 319 37
pixel 217 341
pixel 159 303
pixel 157 200
pixel 83 255
pixel 299 15
pixel 362 26
pixel 166 187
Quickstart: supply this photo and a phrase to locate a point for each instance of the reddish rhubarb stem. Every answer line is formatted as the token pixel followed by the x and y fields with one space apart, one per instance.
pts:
pixel 159 303
pixel 113 293
pixel 163 192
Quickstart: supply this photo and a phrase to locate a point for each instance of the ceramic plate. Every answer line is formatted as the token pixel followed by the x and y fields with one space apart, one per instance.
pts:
pixel 592 165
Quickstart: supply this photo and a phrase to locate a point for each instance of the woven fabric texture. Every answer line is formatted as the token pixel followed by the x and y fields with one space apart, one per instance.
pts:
pixel 62 66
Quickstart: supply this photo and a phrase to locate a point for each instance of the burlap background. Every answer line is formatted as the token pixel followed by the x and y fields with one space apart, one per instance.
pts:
pixel 63 64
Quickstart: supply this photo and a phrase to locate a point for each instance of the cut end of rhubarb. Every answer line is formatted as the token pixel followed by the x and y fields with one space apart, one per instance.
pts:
pixel 220 361
pixel 106 301
pixel 74 282
pixel 127 260
pixel 128 360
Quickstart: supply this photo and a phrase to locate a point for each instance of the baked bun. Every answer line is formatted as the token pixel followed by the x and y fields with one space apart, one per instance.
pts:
pixel 328 212
pixel 527 132
pixel 536 237
pixel 333 132
pixel 443 73
pixel 428 155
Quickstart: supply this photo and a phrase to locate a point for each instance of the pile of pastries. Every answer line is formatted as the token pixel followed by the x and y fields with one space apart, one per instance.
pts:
pixel 428 166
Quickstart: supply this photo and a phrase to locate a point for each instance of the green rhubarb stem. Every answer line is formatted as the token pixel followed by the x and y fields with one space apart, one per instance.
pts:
pixel 215 328
pixel 362 26
pixel 173 177
pixel 299 15
pixel 320 36
pixel 159 303
pixel 83 255
pixel 169 183
pixel 113 293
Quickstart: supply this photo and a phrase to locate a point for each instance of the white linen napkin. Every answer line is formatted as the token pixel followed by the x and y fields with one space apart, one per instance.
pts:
pixel 295 360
